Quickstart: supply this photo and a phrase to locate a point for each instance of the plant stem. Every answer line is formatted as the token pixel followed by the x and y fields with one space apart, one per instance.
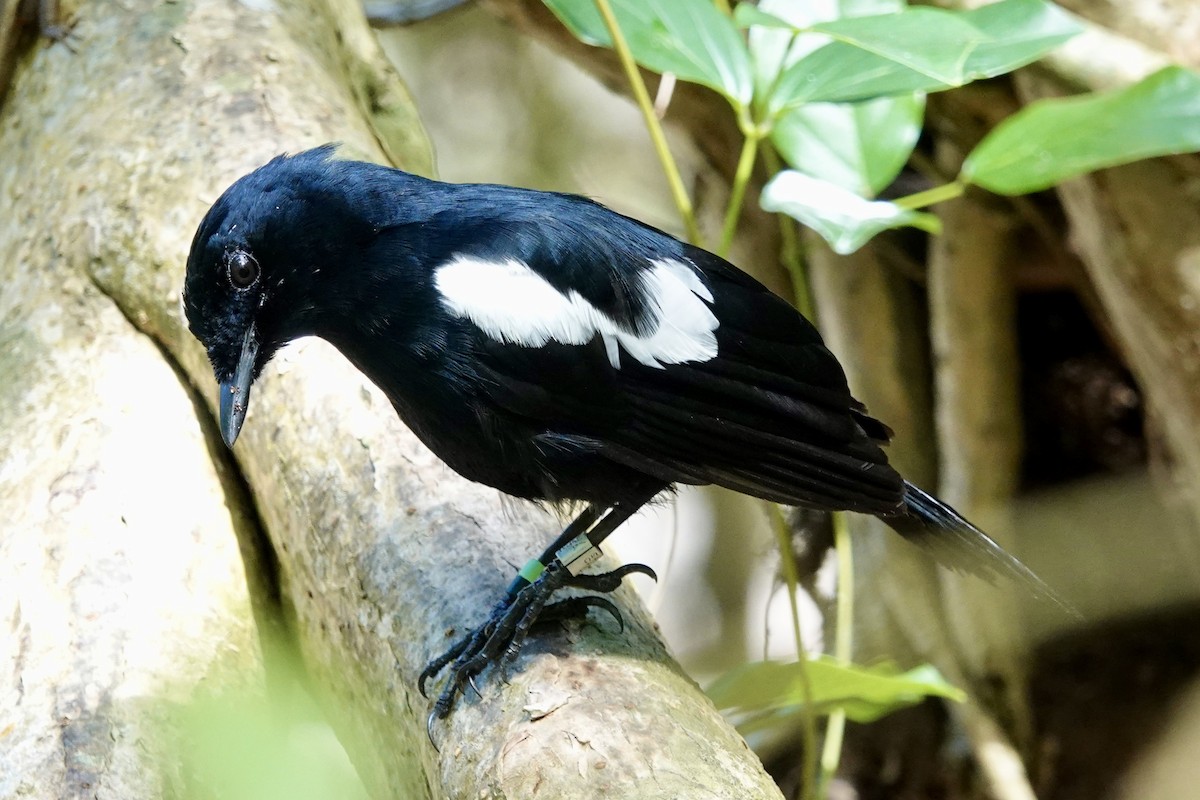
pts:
pixel 947 191
pixel 808 768
pixel 724 8
pixel 789 244
pixel 831 754
pixel 678 192
pixel 737 195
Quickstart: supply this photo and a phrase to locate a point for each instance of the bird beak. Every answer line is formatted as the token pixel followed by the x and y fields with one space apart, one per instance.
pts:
pixel 235 394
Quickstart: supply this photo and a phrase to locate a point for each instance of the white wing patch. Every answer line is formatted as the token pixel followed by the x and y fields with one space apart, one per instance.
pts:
pixel 513 304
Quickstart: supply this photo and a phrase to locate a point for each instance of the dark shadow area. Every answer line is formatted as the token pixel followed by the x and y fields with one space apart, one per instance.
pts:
pixel 1101 695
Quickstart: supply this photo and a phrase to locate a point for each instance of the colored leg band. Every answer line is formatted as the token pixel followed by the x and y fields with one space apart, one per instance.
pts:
pixel 529 573
pixel 532 570
pixel 578 554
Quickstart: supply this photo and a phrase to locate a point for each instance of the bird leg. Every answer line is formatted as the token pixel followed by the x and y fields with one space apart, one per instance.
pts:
pixel 499 639
pixel 571 608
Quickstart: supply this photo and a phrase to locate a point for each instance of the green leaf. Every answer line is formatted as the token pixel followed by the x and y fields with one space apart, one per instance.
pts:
pixel 840 72
pixel 1010 34
pixel 864 693
pixel 747 14
pixel 930 41
pixel 775 43
pixel 861 146
pixel 689 38
pixel 858 147
pixel 841 217
pixel 793 16
pixel 1016 33
pixel 1051 140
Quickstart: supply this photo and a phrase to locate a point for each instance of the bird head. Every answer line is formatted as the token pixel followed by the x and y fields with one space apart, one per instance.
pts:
pixel 253 273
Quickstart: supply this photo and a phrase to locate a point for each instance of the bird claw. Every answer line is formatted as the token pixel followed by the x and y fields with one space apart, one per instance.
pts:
pixel 575 607
pixel 435 666
pixel 499 640
pixel 609 581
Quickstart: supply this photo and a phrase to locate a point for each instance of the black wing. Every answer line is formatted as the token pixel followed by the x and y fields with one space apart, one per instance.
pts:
pixel 770 415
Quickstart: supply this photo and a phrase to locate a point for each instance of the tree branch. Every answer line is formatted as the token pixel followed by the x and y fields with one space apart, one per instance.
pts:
pixel 121 585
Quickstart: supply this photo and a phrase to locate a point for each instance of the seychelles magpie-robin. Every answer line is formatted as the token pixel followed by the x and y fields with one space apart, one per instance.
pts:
pixel 546 346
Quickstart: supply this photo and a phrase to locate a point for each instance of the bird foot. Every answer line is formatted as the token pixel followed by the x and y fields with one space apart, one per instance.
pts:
pixel 499 639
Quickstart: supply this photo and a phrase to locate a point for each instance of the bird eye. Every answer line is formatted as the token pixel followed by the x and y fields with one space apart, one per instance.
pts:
pixel 243 269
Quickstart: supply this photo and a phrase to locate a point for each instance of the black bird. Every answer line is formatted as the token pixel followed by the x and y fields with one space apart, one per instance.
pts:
pixel 546 346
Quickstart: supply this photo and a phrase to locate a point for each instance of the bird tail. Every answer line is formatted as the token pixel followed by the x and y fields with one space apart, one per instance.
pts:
pixel 957 544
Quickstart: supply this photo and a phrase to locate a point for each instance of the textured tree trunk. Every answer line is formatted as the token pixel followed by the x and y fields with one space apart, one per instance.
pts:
pixel 121 586
pixel 108 158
